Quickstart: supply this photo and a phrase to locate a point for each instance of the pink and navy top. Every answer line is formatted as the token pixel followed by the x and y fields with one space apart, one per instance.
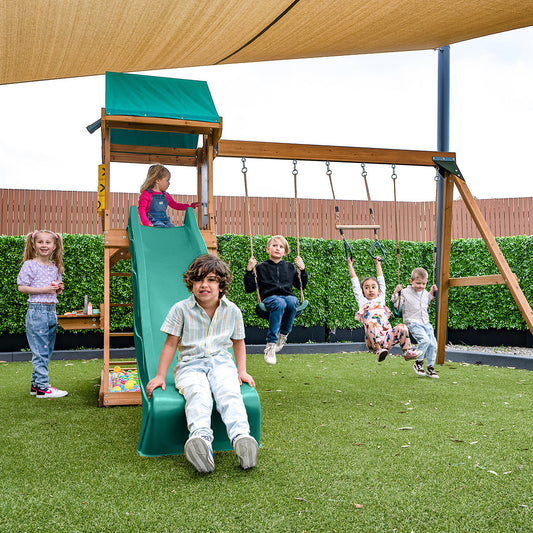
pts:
pixel 34 274
pixel 145 199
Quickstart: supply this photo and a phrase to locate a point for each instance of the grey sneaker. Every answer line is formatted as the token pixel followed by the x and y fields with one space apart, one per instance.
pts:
pixel 270 354
pixel 430 373
pixel 282 339
pixel 419 368
pixel 246 449
pixel 199 453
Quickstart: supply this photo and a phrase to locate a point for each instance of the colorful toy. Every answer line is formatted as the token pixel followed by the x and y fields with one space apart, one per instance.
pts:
pixel 124 380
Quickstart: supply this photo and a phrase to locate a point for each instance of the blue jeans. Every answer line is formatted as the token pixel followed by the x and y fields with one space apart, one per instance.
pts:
pixel 201 380
pixel 426 341
pixel 41 325
pixel 281 313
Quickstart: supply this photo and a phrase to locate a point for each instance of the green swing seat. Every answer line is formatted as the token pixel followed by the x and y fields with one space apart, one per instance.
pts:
pixel 158 259
pixel 262 311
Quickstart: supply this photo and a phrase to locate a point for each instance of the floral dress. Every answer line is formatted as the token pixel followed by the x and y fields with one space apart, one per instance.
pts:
pixel 374 315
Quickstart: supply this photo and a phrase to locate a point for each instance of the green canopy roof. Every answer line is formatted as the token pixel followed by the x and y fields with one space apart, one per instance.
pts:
pixel 154 96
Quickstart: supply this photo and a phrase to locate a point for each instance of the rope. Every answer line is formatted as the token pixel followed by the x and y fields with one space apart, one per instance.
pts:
pixel 295 174
pixel 370 207
pixel 347 249
pixel 244 170
pixel 437 177
pixel 376 244
pixel 394 177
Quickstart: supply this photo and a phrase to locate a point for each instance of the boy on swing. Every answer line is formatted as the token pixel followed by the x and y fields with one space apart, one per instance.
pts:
pixel 275 279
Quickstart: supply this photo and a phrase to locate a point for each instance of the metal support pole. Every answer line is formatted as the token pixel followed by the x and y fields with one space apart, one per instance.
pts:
pixel 443 143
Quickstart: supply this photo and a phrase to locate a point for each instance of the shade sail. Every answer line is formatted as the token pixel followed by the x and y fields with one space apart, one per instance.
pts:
pixel 49 39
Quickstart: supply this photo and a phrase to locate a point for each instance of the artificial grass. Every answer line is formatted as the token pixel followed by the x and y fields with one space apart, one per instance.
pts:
pixel 348 445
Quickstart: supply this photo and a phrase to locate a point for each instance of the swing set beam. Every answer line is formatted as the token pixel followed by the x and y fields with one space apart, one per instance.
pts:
pixel 340 154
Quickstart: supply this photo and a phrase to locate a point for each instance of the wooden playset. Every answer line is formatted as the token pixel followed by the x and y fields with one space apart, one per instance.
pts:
pixel 164 135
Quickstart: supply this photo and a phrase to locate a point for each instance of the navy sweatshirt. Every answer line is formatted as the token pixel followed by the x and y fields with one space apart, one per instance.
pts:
pixel 274 278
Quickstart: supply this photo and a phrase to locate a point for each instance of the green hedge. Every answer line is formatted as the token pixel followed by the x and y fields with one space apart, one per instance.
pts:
pixel 328 291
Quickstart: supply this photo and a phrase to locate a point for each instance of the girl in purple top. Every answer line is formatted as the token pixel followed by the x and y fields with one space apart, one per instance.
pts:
pixel 154 199
pixel 40 278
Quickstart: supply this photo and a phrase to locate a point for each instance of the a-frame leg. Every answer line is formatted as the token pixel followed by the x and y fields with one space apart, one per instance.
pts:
pixel 508 276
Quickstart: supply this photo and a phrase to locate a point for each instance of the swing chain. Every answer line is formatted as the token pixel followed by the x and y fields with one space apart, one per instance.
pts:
pixel 437 173
pixel 244 170
pixel 329 172
pixel 294 170
pixel 364 173
pixel 394 175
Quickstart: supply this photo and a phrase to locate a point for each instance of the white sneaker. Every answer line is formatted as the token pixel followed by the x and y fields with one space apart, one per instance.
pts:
pixel 246 449
pixel 50 392
pixel 199 453
pixel 282 339
pixel 270 354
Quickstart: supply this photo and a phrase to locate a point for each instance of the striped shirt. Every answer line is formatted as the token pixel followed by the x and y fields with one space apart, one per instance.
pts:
pixel 199 335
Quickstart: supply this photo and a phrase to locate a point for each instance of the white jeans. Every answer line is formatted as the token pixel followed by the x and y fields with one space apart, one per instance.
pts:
pixel 423 333
pixel 201 380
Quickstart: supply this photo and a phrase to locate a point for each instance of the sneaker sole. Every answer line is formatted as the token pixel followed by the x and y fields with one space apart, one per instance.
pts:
pixel 198 454
pixel 246 450
pixel 270 360
pixel 382 356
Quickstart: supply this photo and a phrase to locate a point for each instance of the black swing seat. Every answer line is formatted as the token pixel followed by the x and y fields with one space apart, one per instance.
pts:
pixel 262 312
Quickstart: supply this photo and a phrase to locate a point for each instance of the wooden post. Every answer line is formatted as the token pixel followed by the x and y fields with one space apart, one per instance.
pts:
pixel 442 325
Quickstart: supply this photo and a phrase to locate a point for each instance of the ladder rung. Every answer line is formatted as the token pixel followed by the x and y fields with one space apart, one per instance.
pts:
pixel 120 305
pixel 357 226
pixel 121 334
pixel 124 274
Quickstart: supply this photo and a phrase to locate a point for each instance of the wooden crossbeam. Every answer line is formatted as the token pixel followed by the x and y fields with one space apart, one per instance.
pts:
pixel 313 152
pixel 471 281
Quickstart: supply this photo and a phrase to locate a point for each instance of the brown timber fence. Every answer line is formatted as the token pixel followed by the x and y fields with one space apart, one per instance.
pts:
pixel 22 211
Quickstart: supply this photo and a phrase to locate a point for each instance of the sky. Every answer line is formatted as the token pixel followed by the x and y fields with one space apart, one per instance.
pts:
pixel 376 100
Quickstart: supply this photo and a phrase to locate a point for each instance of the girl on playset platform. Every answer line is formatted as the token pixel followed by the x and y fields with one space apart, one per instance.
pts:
pixel 154 199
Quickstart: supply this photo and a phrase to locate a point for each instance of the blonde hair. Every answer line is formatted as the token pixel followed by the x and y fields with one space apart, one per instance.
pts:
pixel 419 272
pixel 56 256
pixel 155 172
pixel 281 239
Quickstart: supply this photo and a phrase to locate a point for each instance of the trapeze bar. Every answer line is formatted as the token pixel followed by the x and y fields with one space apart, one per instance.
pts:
pixel 358 226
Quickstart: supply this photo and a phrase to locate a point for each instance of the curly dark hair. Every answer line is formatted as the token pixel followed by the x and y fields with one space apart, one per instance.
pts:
pixel 204 265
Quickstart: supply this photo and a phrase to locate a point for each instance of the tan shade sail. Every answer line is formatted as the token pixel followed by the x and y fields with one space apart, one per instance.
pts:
pixel 49 39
